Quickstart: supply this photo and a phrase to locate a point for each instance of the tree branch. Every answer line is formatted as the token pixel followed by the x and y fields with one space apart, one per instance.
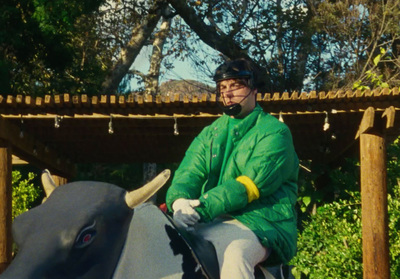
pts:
pixel 128 54
pixel 215 39
pixel 209 35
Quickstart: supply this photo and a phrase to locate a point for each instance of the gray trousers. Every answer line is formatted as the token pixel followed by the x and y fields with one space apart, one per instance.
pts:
pixel 238 248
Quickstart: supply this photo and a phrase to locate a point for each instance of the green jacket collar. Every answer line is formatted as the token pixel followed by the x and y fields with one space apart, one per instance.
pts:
pixel 243 125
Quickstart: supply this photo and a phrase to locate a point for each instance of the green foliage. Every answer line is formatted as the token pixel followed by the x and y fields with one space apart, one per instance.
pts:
pixel 393 164
pixel 331 244
pixel 330 237
pixel 324 185
pixel 59 16
pixel 371 76
pixel 48 47
pixel 54 46
pixel 394 228
pixel 24 193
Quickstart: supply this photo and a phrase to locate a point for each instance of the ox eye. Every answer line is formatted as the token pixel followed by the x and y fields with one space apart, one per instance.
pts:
pixel 86 236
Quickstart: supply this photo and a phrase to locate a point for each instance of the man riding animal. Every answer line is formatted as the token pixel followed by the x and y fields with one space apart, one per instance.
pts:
pixel 237 184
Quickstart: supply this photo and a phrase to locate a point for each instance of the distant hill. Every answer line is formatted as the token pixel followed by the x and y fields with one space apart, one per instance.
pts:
pixel 182 87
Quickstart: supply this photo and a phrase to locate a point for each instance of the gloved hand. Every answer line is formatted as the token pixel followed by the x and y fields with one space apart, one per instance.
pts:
pixel 184 213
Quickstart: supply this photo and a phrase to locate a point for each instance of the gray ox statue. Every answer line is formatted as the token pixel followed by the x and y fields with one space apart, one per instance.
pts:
pixel 95 230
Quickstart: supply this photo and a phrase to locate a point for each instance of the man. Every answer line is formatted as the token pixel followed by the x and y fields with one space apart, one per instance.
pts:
pixel 237 184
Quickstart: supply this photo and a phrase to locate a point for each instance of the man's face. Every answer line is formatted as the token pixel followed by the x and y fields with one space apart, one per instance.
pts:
pixel 235 91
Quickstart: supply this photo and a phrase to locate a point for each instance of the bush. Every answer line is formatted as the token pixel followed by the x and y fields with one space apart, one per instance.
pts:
pixel 330 246
pixel 394 228
pixel 24 194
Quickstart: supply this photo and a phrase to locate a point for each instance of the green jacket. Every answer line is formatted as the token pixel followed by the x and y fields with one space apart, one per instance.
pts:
pixel 258 185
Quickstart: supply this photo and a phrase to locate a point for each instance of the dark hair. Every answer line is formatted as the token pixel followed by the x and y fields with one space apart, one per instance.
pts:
pixel 236 69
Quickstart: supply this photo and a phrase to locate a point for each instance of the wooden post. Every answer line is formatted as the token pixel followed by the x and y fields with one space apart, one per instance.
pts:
pixel 374 196
pixel 5 205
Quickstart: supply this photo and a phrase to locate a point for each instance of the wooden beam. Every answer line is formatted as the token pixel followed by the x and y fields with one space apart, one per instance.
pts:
pixel 5 205
pixel 34 151
pixel 374 197
pixel 367 121
pixel 390 114
pixel 59 180
pixel 18 161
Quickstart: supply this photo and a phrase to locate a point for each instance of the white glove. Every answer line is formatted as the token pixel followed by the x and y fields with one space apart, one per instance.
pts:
pixel 184 213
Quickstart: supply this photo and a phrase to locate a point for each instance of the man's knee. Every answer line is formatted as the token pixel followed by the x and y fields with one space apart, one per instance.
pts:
pixel 236 264
pixel 234 253
pixel 240 251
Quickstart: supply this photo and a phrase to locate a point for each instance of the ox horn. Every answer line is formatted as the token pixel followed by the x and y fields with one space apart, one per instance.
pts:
pixel 139 196
pixel 48 183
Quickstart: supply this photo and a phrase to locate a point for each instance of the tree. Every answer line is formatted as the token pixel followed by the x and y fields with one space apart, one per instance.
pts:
pixel 296 45
pixel 36 44
pixel 315 45
pixel 243 29
pixel 140 34
pixel 151 80
pixel 352 35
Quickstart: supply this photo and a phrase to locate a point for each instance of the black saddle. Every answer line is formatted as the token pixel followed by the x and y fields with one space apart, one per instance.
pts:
pixel 203 250
pixel 205 254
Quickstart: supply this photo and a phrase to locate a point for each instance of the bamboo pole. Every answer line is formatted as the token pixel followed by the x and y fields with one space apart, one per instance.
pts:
pixel 5 205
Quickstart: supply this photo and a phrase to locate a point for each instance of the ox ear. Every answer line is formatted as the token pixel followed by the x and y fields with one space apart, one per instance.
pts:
pixel 139 196
pixel 48 183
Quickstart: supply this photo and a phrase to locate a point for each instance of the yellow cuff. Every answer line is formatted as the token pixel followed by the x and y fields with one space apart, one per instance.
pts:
pixel 251 188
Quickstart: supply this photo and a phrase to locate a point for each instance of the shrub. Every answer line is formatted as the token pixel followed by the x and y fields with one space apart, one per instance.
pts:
pixel 24 193
pixel 394 228
pixel 330 246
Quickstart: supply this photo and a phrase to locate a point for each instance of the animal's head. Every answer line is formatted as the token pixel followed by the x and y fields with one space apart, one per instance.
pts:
pixel 78 232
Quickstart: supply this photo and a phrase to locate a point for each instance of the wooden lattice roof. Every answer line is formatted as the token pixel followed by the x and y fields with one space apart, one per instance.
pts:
pixel 143 127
